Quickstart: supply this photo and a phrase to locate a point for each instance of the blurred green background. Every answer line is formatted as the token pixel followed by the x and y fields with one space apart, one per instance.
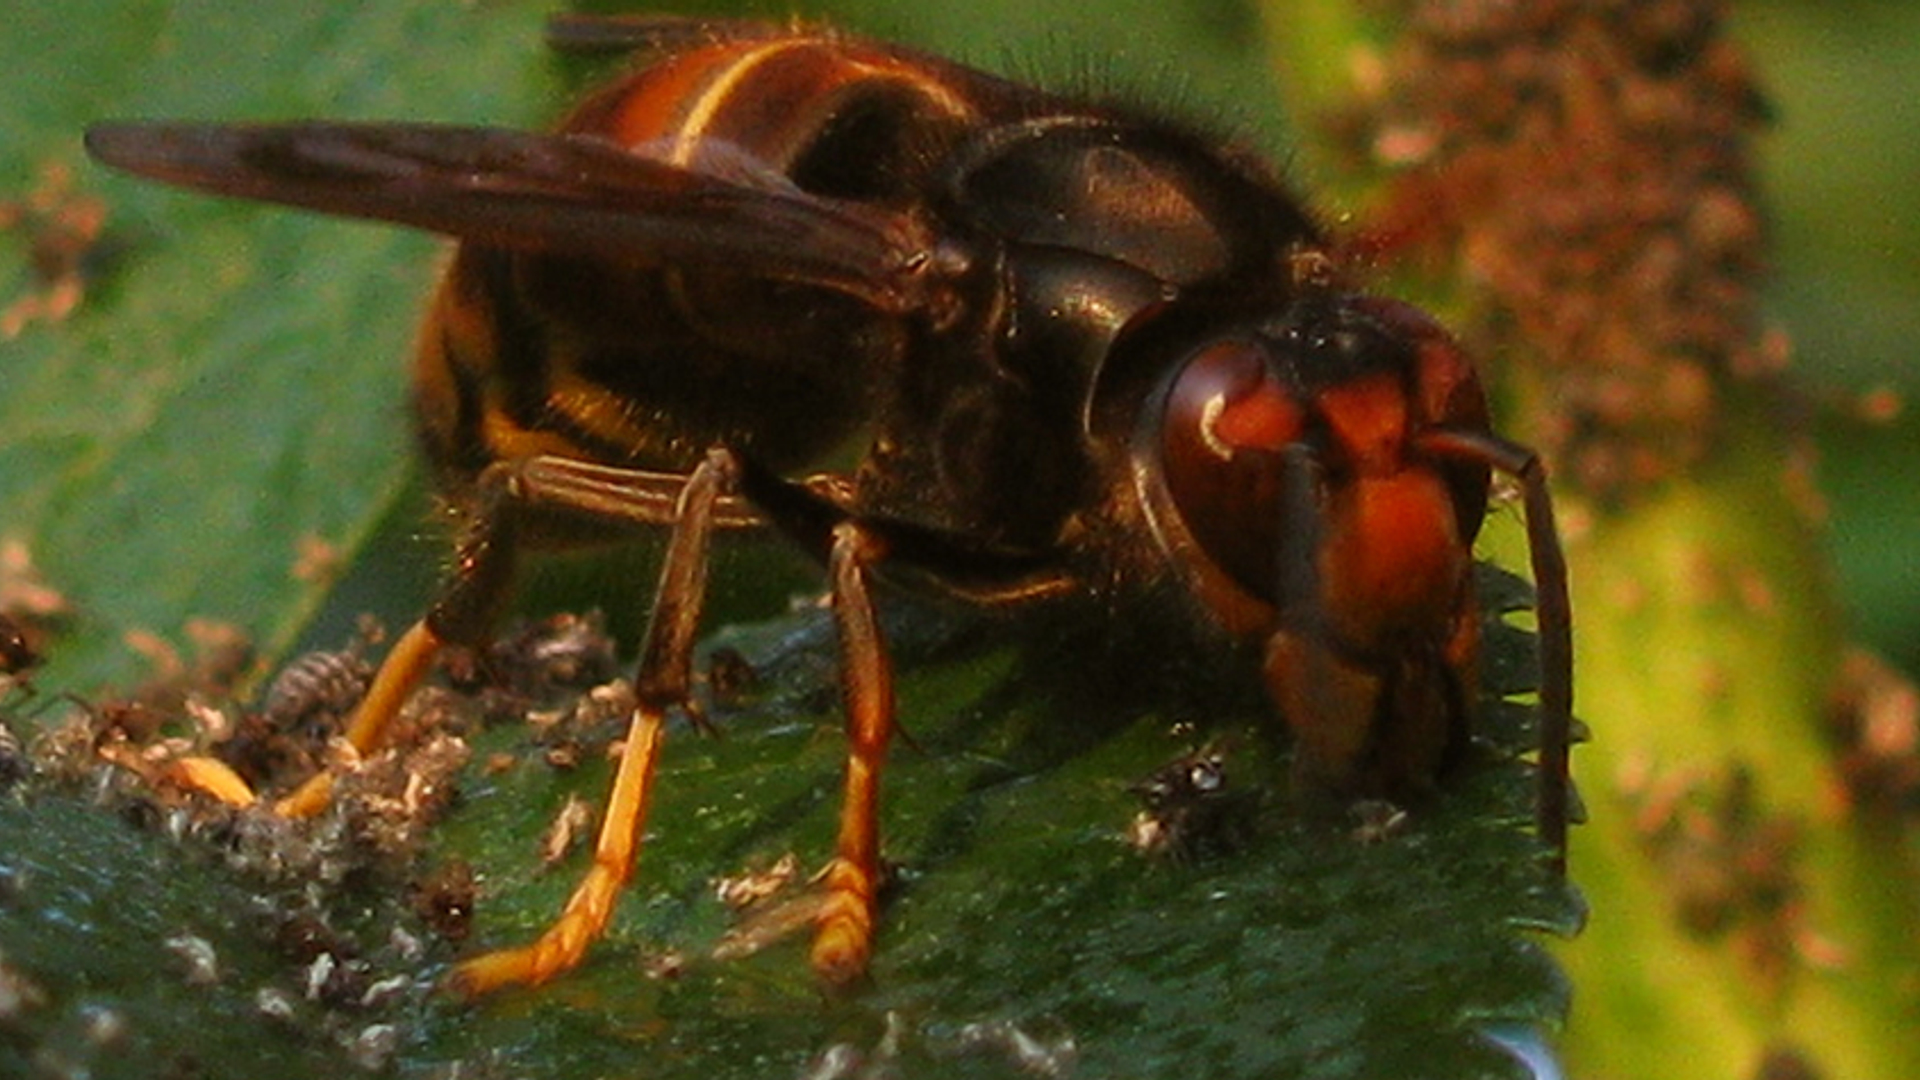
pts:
pixel 1840 167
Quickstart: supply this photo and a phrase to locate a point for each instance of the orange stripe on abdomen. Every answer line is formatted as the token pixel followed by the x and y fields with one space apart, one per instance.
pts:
pixel 766 99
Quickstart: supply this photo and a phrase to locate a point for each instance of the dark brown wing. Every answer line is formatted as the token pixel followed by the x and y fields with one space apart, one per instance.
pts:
pixel 566 193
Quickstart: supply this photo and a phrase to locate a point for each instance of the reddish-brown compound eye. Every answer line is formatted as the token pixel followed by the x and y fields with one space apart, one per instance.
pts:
pixel 1229 414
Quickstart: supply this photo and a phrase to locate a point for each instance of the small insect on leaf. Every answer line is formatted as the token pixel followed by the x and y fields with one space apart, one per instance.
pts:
pixel 1189 809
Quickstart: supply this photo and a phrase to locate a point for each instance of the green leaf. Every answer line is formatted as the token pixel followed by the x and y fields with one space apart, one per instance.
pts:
pixel 124 955
pixel 233 388
pixel 1022 917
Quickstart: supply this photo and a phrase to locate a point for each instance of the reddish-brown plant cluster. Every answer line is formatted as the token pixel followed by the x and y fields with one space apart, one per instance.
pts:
pixel 1592 164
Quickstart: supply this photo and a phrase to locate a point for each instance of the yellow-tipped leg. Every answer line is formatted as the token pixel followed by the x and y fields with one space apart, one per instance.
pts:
pixel 211 777
pixel 308 799
pixel 399 675
pixel 396 680
pixel 662 682
pixel 843 939
pixel 587 911
pixel 843 930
